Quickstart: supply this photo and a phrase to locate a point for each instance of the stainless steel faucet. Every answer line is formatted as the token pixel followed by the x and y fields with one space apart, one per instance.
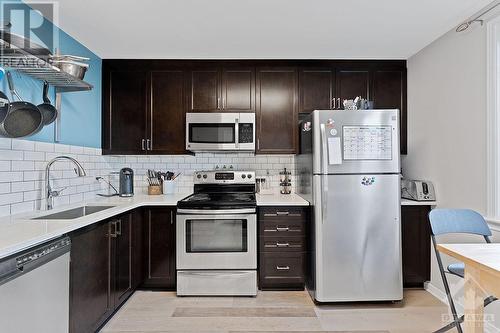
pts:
pixel 52 193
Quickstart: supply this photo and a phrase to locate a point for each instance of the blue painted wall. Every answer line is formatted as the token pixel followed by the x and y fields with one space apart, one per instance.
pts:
pixel 80 111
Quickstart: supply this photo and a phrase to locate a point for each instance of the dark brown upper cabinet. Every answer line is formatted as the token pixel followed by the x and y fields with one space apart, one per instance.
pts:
pixel 316 89
pixel 205 90
pixel 167 125
pixel 276 115
pixel 351 83
pixel 238 90
pixel 389 92
pixel 222 90
pixel 124 111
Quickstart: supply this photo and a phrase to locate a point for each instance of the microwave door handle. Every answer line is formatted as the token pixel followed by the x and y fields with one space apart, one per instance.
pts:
pixel 237 133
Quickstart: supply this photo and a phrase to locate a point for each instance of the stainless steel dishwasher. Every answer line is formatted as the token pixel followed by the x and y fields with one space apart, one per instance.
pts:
pixel 34 289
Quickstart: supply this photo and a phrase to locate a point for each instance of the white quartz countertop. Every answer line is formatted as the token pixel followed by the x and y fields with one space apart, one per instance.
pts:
pixel 19 232
pixel 278 199
pixel 407 202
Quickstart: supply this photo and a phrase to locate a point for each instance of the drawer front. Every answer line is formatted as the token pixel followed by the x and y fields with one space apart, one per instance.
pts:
pixel 281 271
pixel 282 227
pixel 281 265
pixel 296 213
pixel 282 244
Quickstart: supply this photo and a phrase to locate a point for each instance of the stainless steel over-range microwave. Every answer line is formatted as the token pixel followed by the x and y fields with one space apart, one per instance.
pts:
pixel 220 131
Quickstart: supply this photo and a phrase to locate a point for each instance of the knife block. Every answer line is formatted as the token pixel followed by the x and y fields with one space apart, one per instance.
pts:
pixel 154 190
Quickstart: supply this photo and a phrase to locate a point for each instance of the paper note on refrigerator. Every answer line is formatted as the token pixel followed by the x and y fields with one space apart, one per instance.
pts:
pixel 334 151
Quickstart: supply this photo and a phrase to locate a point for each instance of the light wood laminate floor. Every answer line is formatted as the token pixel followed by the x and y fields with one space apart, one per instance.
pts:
pixel 273 311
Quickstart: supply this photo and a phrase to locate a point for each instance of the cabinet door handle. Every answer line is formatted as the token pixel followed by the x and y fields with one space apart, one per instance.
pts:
pixel 218 103
pixel 171 217
pixel 282 213
pixel 334 104
pixel 282 229
pixel 113 234
pixel 118 227
pixel 148 144
pixel 258 144
pixel 282 244
pixel 282 268
pixel 339 105
pixel 143 144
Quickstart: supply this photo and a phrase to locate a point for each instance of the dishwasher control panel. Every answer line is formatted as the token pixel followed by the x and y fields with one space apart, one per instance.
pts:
pixel 42 251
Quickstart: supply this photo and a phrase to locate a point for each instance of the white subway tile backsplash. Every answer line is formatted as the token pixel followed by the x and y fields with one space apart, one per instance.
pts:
pixel 23 165
pixel 44 146
pixel 34 156
pixel 22 171
pixel 5 165
pixel 11 155
pixel 10 198
pixel 23 145
pixel 10 176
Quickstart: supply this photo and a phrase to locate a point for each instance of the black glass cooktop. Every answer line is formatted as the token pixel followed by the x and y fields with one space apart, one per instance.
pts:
pixel 214 200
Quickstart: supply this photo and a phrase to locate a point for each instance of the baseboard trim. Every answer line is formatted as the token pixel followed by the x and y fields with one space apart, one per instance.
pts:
pixel 440 295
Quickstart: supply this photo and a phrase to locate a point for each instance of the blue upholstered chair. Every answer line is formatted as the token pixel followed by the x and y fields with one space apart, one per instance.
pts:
pixel 452 221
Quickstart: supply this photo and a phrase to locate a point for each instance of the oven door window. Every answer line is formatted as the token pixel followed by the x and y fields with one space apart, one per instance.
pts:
pixel 216 235
pixel 212 133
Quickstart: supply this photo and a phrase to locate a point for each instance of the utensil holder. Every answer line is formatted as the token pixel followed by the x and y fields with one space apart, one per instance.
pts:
pixel 168 187
pixel 154 190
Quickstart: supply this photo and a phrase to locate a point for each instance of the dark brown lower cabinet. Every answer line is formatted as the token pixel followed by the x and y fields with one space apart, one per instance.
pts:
pixel 100 272
pixel 159 248
pixel 282 247
pixel 416 244
pixel 90 271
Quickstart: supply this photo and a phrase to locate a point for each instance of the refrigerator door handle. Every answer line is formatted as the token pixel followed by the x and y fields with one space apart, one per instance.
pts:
pixel 324 150
pixel 324 196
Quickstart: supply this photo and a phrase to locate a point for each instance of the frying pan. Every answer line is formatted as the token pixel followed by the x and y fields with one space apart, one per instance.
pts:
pixel 49 112
pixel 4 100
pixel 22 118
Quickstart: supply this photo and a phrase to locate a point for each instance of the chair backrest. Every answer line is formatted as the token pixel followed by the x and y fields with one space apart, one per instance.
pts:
pixel 465 221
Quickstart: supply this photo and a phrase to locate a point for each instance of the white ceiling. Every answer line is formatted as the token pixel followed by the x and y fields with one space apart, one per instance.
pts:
pixel 283 29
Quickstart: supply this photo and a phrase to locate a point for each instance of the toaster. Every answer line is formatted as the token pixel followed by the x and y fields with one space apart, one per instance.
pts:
pixel 417 190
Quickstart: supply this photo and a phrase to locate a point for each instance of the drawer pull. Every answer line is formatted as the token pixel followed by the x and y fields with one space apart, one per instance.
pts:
pixel 283 214
pixel 282 229
pixel 282 244
pixel 282 268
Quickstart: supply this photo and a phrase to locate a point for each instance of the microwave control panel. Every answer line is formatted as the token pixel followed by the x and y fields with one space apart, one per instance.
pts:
pixel 245 133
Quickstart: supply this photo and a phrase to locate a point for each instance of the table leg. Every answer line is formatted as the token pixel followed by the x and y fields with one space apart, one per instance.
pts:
pixel 474 302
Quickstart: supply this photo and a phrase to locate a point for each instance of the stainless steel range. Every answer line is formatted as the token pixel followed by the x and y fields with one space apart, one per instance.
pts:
pixel 217 236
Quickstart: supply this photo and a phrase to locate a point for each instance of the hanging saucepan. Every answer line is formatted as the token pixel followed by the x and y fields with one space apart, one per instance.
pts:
pixel 49 112
pixel 22 119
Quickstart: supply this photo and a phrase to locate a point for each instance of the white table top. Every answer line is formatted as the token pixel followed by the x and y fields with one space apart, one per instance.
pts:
pixel 482 256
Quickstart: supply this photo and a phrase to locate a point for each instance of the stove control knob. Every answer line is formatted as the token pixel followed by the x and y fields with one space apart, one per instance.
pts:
pixel 243 176
pixel 205 176
pixel 249 176
pixel 198 176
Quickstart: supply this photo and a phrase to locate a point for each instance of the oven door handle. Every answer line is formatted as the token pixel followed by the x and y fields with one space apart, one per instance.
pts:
pixel 216 211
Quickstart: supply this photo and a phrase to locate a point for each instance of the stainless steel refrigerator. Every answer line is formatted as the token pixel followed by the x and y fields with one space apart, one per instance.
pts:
pixel 349 169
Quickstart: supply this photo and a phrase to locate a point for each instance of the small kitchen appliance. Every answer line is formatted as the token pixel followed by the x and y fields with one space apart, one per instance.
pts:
pixel 417 190
pixel 126 182
pixel 220 132
pixel 217 236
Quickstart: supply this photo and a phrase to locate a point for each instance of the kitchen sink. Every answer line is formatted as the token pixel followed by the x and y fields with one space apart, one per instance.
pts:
pixel 73 213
